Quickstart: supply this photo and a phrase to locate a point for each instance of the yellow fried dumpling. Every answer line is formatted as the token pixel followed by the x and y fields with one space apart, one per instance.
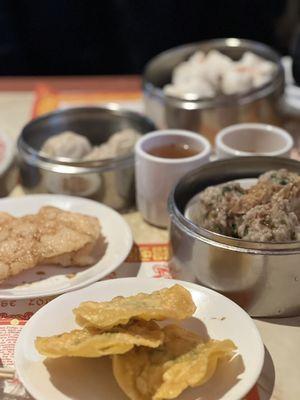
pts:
pixel 163 373
pixel 193 368
pixel 175 302
pixel 95 343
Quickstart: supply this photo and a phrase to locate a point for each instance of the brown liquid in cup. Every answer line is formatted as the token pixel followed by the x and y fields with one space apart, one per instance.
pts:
pixel 174 150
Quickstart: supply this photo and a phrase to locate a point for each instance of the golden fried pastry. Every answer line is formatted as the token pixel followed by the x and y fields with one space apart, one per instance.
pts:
pixel 5 218
pixel 259 194
pixel 175 302
pixel 267 186
pixel 271 222
pixel 211 211
pixel 291 194
pixel 52 236
pixel 279 177
pixel 95 343
pixel 163 373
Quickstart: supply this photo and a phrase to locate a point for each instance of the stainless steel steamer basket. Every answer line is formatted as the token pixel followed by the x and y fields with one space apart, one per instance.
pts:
pixel 208 116
pixel 110 181
pixel 263 278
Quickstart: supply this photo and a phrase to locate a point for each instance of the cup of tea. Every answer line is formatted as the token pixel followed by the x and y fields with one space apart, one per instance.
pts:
pixel 161 158
pixel 253 139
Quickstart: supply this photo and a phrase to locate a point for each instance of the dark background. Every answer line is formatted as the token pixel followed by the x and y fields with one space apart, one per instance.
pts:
pixel 60 37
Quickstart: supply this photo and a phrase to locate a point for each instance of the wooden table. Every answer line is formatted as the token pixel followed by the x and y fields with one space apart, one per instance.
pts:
pixel 103 83
pixel 280 379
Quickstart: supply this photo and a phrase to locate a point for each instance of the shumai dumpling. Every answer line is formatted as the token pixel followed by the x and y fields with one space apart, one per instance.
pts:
pixel 67 144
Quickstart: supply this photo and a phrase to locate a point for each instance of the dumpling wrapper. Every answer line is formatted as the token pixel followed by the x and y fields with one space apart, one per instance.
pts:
pixel 175 302
pixel 163 373
pixel 67 144
pixel 119 144
pixel 95 343
pixel 193 368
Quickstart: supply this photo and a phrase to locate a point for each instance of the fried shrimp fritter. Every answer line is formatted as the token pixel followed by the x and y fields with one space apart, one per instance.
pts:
pixel 271 222
pixel 212 209
pixel 280 177
pixel 5 218
pixel 174 302
pixel 268 211
pixel 267 186
pixel 259 194
pixel 52 236
pixel 163 373
pixel 96 343
pixel 291 194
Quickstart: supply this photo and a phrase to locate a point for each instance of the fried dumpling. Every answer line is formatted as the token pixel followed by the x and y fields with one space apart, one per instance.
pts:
pixel 95 343
pixel 163 373
pixel 175 302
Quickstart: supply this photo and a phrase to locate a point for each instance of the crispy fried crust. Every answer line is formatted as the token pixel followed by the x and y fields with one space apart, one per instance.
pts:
pixel 183 360
pixel 261 193
pixel 95 343
pixel 50 236
pixel 266 189
pixel 290 193
pixel 175 302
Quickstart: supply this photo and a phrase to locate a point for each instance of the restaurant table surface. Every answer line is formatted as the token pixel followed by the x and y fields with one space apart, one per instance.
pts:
pixel 280 379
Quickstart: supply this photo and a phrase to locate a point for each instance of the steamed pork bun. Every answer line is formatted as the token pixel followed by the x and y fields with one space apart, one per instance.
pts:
pixel 67 144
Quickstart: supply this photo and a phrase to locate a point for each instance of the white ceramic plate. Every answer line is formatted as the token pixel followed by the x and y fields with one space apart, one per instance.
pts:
pixel 91 379
pixel 53 280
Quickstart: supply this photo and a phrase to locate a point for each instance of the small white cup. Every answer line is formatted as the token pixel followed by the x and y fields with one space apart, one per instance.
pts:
pixel 251 139
pixel 156 176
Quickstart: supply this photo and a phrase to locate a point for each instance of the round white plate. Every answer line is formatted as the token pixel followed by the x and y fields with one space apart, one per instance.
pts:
pixel 91 379
pixel 53 280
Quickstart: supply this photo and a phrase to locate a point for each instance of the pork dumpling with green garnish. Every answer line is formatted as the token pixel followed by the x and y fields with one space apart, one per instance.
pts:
pixel 280 177
pixel 271 222
pixel 213 206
